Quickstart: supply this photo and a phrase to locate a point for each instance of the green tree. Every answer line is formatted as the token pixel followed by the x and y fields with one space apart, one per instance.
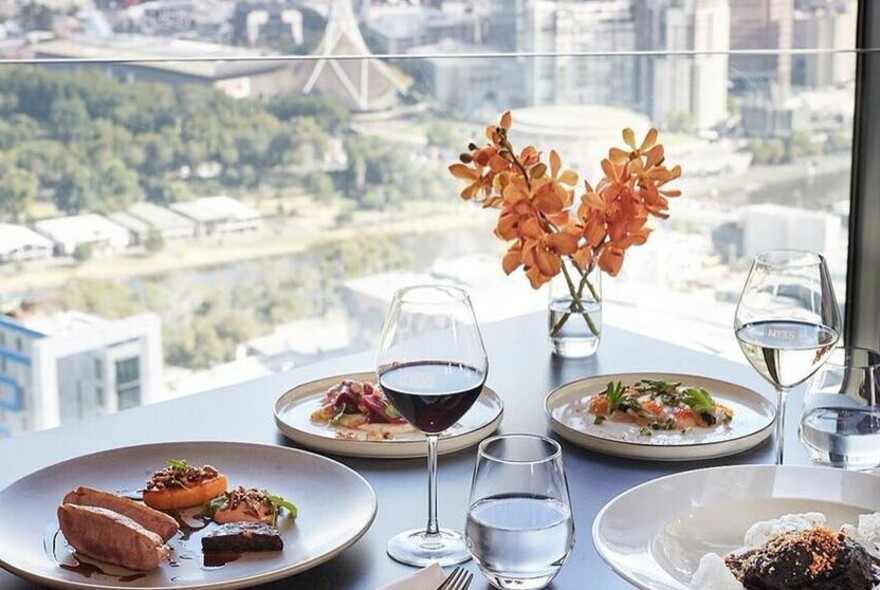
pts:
pixel 82 252
pixel 329 113
pixel 18 188
pixel 107 298
pixel 154 241
pixel 70 119
pixel 320 185
pixel 74 191
pixel 802 145
pixel 443 135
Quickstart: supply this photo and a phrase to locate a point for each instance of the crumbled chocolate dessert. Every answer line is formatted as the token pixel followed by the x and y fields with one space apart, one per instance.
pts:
pixel 816 559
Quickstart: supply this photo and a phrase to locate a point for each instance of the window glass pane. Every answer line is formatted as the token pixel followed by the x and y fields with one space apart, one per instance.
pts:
pixel 248 216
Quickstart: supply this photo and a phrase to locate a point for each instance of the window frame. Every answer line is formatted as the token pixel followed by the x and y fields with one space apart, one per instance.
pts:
pixel 862 323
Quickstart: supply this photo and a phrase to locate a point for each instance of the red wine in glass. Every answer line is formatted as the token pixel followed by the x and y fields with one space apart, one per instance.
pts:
pixel 432 395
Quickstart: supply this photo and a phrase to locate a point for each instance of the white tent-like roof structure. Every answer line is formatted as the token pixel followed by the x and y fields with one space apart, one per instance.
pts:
pixel 365 84
pixel 15 239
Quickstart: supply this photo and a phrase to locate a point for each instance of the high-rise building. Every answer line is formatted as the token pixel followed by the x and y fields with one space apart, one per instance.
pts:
pixel 825 26
pixel 683 91
pixel 567 27
pixel 762 24
pixel 75 365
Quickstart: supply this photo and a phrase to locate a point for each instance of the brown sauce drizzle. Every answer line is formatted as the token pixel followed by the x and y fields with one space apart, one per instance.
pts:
pixel 87 570
pixel 215 560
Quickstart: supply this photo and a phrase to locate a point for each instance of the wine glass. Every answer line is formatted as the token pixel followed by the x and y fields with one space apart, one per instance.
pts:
pixel 519 526
pixel 787 322
pixel 432 365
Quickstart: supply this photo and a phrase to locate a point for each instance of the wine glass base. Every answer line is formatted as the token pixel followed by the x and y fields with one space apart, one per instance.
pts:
pixel 416 547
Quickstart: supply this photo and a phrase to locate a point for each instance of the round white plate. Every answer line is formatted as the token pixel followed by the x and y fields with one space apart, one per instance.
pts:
pixel 567 408
pixel 654 535
pixel 293 417
pixel 29 526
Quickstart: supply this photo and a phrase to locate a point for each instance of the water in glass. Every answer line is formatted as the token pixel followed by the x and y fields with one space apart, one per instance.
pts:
pixel 840 425
pixel 519 525
pixel 520 538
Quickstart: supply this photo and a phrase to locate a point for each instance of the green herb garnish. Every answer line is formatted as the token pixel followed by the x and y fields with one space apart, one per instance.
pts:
pixel 615 393
pixel 214 505
pixel 338 415
pixel 178 464
pixel 599 419
pixel 699 400
pixel 392 412
pixel 280 502
pixel 645 431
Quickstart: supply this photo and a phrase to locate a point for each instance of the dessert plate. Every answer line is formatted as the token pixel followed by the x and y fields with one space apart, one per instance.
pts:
pixel 32 547
pixel 567 409
pixel 654 535
pixel 293 417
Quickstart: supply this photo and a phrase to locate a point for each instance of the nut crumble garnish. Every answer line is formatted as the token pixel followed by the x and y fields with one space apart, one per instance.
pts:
pixel 180 476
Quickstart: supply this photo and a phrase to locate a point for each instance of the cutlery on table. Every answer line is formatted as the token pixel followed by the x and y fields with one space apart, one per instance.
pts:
pixel 459 579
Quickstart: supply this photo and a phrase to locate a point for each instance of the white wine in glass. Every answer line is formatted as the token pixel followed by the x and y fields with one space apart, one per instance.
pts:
pixel 787 322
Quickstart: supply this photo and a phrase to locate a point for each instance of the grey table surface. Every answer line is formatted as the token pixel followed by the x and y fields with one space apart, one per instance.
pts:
pixel 521 370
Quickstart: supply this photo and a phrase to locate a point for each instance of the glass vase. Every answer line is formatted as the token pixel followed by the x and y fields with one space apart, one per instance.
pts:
pixel 575 311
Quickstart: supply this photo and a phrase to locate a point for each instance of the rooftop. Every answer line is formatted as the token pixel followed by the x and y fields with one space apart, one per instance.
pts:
pixel 129 222
pixel 219 208
pixel 66 322
pixel 16 237
pixel 158 217
pixel 81 228
pixel 218 64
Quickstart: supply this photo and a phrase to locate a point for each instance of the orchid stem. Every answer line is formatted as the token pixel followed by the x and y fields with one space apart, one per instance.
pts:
pixel 576 295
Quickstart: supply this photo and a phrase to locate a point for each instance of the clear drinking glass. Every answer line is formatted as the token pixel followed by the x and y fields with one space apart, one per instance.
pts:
pixel 840 424
pixel 432 365
pixel 787 322
pixel 519 525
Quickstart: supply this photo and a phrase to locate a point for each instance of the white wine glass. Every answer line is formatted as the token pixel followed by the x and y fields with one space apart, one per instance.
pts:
pixel 787 322
pixel 432 366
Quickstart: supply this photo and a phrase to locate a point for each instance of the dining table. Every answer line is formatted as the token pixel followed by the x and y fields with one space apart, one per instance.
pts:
pixel 521 370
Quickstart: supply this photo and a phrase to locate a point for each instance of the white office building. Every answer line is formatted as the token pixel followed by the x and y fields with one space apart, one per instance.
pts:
pixel 768 227
pixel 73 366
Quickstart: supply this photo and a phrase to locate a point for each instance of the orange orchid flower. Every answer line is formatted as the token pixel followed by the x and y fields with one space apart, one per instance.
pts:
pixel 536 199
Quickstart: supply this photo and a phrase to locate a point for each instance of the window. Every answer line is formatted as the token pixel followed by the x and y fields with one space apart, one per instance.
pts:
pixel 128 382
pixel 765 141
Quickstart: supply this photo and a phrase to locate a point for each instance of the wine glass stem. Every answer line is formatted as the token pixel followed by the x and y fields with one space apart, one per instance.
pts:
pixel 781 398
pixel 432 528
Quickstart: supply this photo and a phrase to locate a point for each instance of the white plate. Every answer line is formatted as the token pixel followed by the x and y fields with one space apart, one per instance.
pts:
pixel 567 408
pixel 29 526
pixel 294 408
pixel 654 535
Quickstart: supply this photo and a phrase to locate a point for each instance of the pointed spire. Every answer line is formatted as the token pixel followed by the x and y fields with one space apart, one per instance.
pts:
pixel 366 84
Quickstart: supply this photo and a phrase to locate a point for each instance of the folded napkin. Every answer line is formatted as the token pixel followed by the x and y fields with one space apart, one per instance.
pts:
pixel 424 579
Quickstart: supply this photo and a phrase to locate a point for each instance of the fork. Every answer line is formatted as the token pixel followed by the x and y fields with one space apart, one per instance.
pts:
pixel 459 579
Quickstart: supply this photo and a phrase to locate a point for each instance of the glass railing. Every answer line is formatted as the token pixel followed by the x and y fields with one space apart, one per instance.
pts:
pixel 174 221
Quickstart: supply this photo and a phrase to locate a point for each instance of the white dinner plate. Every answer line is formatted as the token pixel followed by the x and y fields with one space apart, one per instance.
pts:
pixel 567 409
pixel 32 547
pixel 654 535
pixel 293 417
